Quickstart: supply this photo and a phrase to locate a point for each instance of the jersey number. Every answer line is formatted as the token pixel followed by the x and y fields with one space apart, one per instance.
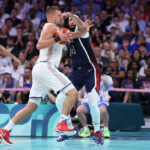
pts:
pixel 72 50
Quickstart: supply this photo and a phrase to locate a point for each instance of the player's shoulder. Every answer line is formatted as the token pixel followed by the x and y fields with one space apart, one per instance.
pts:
pixel 49 26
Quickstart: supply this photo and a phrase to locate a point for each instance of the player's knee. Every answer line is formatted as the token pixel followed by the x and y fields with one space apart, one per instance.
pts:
pixel 103 109
pixel 31 107
pixel 72 93
pixel 80 111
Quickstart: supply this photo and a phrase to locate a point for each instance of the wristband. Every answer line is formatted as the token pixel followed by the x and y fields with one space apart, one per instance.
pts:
pixel 57 39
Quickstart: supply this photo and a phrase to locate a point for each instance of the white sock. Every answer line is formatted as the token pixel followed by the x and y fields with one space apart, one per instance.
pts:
pixel 105 128
pixel 85 128
pixel 9 126
pixel 69 122
pixel 63 117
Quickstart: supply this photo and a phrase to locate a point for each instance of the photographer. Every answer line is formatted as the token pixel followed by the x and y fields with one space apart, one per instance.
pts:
pixel 5 97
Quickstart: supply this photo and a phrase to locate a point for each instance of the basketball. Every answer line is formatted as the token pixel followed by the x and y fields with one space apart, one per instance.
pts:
pixel 62 30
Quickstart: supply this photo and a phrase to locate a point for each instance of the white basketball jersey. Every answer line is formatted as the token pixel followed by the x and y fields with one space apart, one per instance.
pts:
pixel 51 54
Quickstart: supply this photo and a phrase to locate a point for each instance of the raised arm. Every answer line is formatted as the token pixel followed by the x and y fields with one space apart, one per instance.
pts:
pixel 81 24
pixel 5 52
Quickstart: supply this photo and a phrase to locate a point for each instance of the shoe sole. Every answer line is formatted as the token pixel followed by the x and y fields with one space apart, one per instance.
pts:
pixel 65 133
pixel 3 141
pixel 84 136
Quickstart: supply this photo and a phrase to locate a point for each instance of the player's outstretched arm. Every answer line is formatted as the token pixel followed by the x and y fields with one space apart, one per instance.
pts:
pixel 79 33
pixel 5 52
pixel 81 25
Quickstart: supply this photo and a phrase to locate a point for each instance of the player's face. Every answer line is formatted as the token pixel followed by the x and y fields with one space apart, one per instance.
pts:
pixel 57 18
pixel 71 23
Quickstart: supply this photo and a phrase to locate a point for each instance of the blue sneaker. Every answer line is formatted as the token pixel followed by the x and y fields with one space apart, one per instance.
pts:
pixel 98 139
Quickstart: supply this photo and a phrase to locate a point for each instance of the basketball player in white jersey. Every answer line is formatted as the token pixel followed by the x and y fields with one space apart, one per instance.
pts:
pixel 46 76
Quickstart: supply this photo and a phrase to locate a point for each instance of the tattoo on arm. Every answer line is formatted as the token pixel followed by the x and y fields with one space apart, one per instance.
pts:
pixel 80 22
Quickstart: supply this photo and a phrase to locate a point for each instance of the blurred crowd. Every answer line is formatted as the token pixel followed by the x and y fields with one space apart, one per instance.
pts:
pixel 120 36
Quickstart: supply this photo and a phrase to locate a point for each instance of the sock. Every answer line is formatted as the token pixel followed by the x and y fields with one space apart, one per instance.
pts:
pixel 63 117
pixel 85 128
pixel 60 101
pixel 105 128
pixel 94 109
pixel 9 126
pixel 69 122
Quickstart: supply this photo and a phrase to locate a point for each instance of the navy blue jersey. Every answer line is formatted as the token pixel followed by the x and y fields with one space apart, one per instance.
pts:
pixel 85 68
pixel 81 52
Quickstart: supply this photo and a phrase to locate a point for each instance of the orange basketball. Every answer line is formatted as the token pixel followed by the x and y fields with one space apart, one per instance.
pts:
pixel 63 30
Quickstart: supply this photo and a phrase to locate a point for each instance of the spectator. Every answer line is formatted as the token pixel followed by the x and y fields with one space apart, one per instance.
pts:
pixel 136 56
pixel 16 71
pixel 141 72
pixel 93 6
pixel 8 81
pixel 123 22
pixel 140 40
pixel 20 39
pixel 134 66
pixel 126 46
pixel 135 27
pixel 11 30
pixel 27 26
pixel 147 34
pixel 108 51
pixel 39 13
pixel 30 51
pixel 25 81
pixel 35 21
pixel 129 83
pixel 5 97
pixel 67 69
pixel 127 7
pixel 14 18
pixel 11 46
pixel 3 15
pixel 99 57
pixel 141 23
pixel 121 56
pixel 144 83
pixel 3 35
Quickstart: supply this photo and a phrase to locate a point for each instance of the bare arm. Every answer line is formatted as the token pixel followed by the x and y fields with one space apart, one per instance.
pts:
pixel 46 39
pixel 81 25
pixel 79 33
pixel 5 52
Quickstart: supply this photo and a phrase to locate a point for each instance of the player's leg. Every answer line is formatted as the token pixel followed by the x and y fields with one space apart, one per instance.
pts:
pixel 82 110
pixel 92 83
pixel 59 103
pixel 22 114
pixel 37 91
pixel 59 82
pixel 105 120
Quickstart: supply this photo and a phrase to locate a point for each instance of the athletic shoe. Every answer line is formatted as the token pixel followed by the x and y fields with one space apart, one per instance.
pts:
pixel 62 127
pixel 0 139
pixel 106 133
pixel 4 135
pixel 98 139
pixel 84 133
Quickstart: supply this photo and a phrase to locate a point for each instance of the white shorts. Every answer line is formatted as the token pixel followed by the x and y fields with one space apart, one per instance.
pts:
pixel 45 77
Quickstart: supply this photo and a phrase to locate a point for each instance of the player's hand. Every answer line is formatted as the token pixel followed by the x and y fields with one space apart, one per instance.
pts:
pixel 65 36
pixel 88 24
pixel 66 15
